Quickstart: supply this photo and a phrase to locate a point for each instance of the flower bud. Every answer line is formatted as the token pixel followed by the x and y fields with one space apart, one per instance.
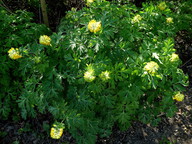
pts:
pixel 174 57
pixel 136 18
pixel 89 75
pixel 104 75
pixel 169 20
pixel 162 6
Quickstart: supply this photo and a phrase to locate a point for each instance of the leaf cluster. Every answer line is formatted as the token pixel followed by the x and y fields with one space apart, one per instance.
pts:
pixel 16 30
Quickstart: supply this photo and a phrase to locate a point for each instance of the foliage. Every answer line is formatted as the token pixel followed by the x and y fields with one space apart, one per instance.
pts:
pixel 107 64
pixel 183 15
pixel 17 30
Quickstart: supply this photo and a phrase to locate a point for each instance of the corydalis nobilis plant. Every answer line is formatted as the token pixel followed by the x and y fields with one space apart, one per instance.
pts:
pixel 108 64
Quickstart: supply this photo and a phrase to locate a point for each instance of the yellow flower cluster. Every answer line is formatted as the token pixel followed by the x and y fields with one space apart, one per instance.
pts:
pixel 169 20
pixel 56 131
pixel 151 67
pixel 89 75
pixel 178 97
pixel 136 18
pixel 89 2
pixel 174 57
pixel 162 6
pixel 104 75
pixel 45 40
pixel 94 26
pixel 14 53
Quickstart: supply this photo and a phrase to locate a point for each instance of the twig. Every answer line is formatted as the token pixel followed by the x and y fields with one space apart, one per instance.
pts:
pixel 2 4
pixel 186 62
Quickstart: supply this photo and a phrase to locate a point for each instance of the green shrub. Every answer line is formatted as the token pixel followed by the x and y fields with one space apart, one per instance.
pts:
pixel 16 30
pixel 107 64
pixel 183 15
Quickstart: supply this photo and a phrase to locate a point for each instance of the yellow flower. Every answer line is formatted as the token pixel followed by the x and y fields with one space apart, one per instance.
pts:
pixel 56 133
pixel 169 20
pixel 136 18
pixel 45 40
pixel 57 130
pixel 151 67
pixel 174 57
pixel 89 75
pixel 14 53
pixel 89 2
pixel 178 97
pixel 104 75
pixel 162 6
pixel 94 26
